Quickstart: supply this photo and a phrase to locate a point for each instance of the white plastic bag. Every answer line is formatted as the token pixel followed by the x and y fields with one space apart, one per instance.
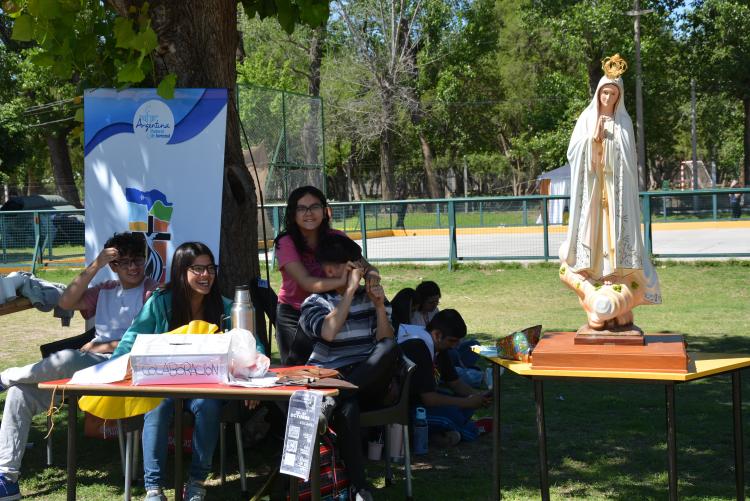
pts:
pixel 245 361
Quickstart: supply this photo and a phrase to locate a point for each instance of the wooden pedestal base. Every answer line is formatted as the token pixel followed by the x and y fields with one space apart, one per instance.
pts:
pixel 659 353
pixel 630 335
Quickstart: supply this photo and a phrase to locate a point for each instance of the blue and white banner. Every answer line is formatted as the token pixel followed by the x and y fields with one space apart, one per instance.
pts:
pixel 155 166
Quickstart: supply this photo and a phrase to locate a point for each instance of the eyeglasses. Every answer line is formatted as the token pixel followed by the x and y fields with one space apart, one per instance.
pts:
pixel 200 269
pixel 125 263
pixel 304 209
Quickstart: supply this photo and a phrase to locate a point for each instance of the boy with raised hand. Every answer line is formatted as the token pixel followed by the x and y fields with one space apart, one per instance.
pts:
pixel 113 304
pixel 352 331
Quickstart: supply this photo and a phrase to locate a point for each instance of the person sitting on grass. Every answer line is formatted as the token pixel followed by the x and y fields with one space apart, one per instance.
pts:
pixel 426 300
pixel 113 305
pixel 448 416
pixel 352 331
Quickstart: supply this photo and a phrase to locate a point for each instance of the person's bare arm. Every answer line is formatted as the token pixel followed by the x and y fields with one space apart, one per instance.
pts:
pixel 435 399
pixel 71 299
pixel 459 387
pixel 99 347
pixel 310 283
pixel 371 274
pixel 334 321
pixel 384 327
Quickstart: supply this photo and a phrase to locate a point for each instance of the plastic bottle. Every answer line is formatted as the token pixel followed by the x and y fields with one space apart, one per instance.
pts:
pixel 420 431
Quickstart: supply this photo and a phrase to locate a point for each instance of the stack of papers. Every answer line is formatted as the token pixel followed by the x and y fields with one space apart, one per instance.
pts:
pixel 110 371
pixel 485 351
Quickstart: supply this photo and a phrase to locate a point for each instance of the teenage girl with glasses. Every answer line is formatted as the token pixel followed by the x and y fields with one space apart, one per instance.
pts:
pixel 192 294
pixel 306 221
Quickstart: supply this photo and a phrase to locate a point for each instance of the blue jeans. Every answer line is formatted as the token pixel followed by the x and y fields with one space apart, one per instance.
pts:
pixel 156 425
pixel 452 418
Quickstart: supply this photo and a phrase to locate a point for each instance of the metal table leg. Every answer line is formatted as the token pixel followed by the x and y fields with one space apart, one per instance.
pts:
pixel 671 441
pixel 72 466
pixel 178 405
pixel 541 430
pixel 496 446
pixel 739 454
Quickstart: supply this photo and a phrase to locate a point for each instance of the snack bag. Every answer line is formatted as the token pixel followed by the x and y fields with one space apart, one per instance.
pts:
pixel 519 345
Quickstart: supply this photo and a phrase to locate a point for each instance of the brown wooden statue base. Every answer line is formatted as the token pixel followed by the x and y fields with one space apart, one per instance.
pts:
pixel 659 353
pixel 630 335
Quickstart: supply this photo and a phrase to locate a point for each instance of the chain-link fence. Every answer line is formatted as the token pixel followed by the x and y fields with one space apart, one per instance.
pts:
pixel 34 238
pixel 285 132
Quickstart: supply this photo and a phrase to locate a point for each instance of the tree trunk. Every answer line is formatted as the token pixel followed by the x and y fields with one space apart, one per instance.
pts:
pixel 312 133
pixel 202 39
pixel 57 143
pixel 746 142
pixel 386 165
pixel 594 70
pixel 429 166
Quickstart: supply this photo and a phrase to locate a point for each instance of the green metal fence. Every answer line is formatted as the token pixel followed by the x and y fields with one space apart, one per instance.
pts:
pixel 520 229
pixel 677 224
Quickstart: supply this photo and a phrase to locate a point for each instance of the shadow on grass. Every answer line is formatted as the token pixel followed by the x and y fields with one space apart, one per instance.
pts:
pixel 608 440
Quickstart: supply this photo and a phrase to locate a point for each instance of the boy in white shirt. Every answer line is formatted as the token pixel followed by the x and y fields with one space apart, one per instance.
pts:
pixel 113 304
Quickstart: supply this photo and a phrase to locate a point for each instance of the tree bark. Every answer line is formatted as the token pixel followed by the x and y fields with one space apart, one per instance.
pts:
pixel 199 41
pixel 429 166
pixel 312 130
pixel 386 165
pixel 62 170
pixel 746 142
pixel 594 70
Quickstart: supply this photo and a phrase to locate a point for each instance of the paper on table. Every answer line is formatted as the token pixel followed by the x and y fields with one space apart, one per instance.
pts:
pixel 485 351
pixel 110 371
pixel 256 382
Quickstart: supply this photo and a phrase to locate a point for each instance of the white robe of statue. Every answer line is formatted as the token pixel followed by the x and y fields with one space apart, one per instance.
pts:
pixel 604 243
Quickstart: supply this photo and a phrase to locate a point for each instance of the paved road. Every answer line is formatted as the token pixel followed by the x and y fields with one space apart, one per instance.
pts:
pixel 528 245
pixel 523 246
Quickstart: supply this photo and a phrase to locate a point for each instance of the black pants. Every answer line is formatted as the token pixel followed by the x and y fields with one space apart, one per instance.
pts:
pixel 373 376
pixel 295 346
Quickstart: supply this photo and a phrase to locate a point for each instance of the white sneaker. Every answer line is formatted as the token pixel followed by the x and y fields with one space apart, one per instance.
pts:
pixel 155 495
pixel 363 495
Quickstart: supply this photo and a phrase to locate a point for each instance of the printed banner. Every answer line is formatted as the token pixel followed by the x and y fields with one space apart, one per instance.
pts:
pixel 154 166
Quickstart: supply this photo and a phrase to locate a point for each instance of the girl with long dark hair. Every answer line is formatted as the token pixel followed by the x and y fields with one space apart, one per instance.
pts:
pixel 306 222
pixel 192 294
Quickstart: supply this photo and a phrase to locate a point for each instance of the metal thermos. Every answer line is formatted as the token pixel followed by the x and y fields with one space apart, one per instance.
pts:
pixel 243 312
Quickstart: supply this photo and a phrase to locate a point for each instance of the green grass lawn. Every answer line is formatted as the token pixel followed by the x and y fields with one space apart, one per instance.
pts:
pixel 605 441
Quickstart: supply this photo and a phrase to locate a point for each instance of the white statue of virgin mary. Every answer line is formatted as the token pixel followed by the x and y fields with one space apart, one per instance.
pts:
pixel 602 256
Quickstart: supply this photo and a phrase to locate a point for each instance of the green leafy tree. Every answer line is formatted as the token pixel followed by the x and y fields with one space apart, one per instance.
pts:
pixel 187 44
pixel 720 42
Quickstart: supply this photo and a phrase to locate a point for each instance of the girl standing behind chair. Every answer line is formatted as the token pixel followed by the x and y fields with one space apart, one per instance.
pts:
pixel 306 222
pixel 192 294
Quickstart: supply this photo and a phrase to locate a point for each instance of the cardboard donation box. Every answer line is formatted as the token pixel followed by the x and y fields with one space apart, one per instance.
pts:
pixel 180 359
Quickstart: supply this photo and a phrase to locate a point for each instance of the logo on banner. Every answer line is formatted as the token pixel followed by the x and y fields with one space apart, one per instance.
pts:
pixel 154 121
pixel 150 213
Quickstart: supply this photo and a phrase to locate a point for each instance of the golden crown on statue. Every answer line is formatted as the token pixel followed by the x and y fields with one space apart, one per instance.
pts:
pixel 614 66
